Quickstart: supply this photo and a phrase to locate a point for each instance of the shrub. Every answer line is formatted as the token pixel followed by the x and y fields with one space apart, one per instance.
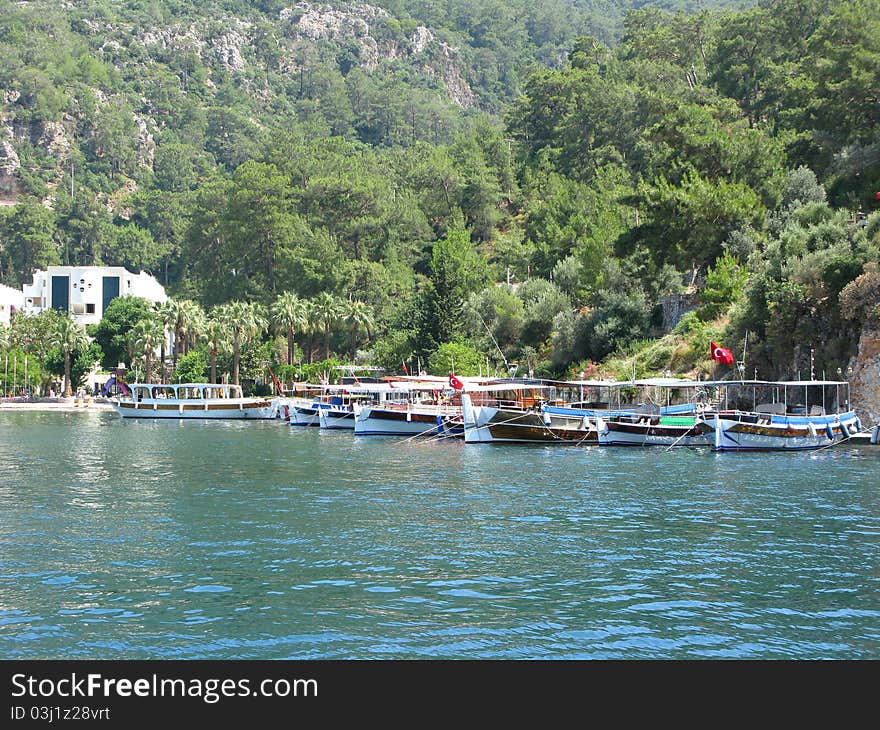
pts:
pixel 725 283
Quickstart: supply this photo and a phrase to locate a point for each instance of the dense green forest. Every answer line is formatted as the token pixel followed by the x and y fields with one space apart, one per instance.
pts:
pixel 548 184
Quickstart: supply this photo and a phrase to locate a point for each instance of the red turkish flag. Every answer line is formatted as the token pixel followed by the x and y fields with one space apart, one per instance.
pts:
pixel 721 354
pixel 455 383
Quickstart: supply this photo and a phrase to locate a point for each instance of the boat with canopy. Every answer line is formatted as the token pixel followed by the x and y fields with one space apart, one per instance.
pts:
pixel 192 400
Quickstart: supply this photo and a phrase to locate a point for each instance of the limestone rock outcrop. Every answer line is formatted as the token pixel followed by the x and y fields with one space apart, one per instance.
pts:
pixel 865 378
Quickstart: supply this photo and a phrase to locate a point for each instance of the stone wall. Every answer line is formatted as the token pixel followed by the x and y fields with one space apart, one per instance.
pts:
pixel 675 306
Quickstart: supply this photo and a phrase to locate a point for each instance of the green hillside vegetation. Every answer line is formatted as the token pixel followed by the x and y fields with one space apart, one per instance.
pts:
pixel 477 182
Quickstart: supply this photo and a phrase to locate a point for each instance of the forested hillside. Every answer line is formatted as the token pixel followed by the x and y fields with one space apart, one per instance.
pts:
pixel 546 183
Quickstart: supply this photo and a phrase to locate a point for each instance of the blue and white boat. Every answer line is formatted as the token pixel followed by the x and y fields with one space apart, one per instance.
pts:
pixel 796 418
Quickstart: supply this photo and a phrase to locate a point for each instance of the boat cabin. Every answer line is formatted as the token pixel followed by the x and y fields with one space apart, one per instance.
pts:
pixel 142 392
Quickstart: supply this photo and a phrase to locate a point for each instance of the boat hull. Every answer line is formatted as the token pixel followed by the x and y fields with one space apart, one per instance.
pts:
pixel 653 432
pixel 336 420
pixel 487 424
pixel 241 410
pixel 404 422
pixel 749 432
pixel 304 413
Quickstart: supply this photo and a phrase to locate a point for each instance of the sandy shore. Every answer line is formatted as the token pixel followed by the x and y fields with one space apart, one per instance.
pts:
pixel 55 404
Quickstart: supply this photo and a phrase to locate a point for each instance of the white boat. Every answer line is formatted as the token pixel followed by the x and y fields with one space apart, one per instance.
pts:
pixel 337 418
pixel 330 406
pixel 415 406
pixel 340 412
pixel 304 403
pixel 787 423
pixel 303 412
pixel 192 400
pixel 406 419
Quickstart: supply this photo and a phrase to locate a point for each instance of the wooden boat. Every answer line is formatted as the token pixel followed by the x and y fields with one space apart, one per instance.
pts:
pixel 553 412
pixel 513 412
pixel 638 429
pixel 662 412
pixel 785 422
pixel 192 400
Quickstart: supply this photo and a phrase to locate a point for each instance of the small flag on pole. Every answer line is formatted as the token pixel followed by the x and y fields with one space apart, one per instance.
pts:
pixel 406 372
pixel 721 354
pixel 455 383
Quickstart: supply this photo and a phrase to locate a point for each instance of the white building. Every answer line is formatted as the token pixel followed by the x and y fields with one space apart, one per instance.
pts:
pixel 86 291
pixel 11 300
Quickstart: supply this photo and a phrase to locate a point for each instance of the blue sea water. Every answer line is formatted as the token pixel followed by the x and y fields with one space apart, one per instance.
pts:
pixel 227 540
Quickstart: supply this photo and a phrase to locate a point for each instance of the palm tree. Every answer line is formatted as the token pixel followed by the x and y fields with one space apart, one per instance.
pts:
pixel 217 336
pixel 326 310
pixel 185 311
pixel 311 328
pixel 69 336
pixel 359 316
pixel 290 315
pixel 146 337
pixel 195 325
pixel 167 312
pixel 244 320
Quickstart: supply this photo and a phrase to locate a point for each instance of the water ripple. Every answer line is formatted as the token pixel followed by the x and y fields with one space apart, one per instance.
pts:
pixel 229 540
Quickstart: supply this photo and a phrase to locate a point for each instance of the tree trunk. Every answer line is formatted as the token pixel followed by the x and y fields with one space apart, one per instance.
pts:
pixel 148 367
pixel 290 346
pixel 270 263
pixel 177 339
pixel 213 364
pixel 327 342
pixel 68 390
pixel 235 357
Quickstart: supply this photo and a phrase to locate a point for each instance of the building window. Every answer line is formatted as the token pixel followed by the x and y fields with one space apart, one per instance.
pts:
pixel 90 308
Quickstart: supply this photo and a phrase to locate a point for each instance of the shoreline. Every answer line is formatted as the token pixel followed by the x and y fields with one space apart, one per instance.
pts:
pixel 55 404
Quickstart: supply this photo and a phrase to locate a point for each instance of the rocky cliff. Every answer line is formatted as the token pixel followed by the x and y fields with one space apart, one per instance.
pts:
pixel 187 60
pixel 865 378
